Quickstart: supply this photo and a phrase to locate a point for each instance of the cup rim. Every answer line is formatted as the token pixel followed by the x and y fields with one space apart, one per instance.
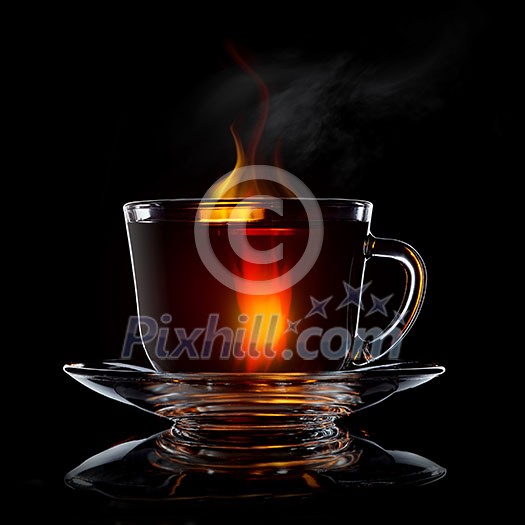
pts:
pixel 185 209
pixel 325 201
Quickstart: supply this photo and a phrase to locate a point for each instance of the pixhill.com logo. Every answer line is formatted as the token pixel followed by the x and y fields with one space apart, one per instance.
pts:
pixel 310 342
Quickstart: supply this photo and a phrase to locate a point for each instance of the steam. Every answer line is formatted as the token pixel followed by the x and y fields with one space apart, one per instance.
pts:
pixel 333 116
pixel 328 116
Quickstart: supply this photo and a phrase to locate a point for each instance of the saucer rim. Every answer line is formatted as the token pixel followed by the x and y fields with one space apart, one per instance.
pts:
pixel 122 368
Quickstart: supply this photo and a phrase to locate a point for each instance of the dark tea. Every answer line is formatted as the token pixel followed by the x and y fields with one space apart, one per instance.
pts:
pixel 191 322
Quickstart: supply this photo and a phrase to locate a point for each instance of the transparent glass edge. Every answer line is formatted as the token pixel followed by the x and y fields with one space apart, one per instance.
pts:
pixel 141 211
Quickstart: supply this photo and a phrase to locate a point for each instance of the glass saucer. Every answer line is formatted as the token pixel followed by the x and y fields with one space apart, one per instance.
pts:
pixel 208 400
pixel 254 429
pixel 143 470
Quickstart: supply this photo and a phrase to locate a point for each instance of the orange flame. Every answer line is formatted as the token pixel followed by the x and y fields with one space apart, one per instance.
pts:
pixel 263 317
pixel 266 315
pixel 264 109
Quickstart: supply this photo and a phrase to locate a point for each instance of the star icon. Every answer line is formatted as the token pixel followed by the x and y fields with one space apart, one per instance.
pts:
pixel 318 307
pixel 379 305
pixel 353 295
pixel 292 326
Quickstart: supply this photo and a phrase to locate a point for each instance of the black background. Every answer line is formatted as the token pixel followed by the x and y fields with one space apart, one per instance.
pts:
pixel 120 107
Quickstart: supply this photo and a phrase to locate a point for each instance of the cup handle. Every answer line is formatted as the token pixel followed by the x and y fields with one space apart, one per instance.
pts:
pixel 416 283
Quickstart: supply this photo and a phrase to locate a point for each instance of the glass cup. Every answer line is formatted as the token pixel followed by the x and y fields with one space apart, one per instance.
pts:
pixel 261 285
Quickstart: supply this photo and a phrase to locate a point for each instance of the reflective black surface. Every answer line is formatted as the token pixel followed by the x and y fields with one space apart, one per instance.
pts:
pixel 147 469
